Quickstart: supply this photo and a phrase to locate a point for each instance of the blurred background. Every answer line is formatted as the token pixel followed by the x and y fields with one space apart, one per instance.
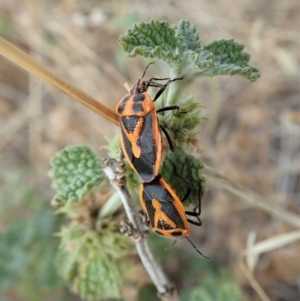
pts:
pixel 252 136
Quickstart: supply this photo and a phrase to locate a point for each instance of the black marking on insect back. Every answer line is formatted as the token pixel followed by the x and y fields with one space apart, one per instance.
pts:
pixel 154 190
pixel 158 232
pixel 176 233
pixel 143 167
pixel 125 99
pixel 139 97
pixel 127 145
pixel 137 107
pixel 164 225
pixel 170 210
pixel 150 211
pixel 130 123
pixel 145 164
pixel 148 147
pixel 122 106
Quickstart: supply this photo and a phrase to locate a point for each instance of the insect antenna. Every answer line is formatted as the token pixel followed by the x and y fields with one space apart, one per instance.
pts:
pixel 171 246
pixel 197 249
pixel 146 69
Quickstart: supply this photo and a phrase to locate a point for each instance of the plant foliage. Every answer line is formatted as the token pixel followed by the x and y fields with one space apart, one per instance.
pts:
pixel 180 47
pixel 74 171
pixel 27 246
pixel 88 255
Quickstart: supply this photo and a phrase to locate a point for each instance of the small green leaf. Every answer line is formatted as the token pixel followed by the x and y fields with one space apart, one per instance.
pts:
pixel 229 59
pixel 189 36
pixel 213 287
pixel 189 168
pixel 88 261
pixel 74 171
pixel 99 278
pixel 153 39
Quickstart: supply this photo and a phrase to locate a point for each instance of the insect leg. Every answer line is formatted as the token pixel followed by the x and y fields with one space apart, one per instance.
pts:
pixel 169 139
pixel 154 78
pixel 188 184
pixel 169 108
pixel 194 213
pixel 162 87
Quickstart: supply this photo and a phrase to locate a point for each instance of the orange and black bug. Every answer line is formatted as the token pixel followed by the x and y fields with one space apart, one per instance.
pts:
pixel 141 140
pixel 165 210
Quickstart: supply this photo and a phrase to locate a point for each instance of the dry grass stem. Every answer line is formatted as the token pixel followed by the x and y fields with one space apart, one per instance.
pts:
pixel 32 66
pixel 252 255
pixel 253 250
pixel 250 197
pixel 273 243
pixel 247 273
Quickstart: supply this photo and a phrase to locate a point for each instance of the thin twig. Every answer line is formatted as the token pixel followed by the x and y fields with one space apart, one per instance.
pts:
pixel 23 60
pixel 165 289
pixel 259 290
pixel 250 197
pixel 254 250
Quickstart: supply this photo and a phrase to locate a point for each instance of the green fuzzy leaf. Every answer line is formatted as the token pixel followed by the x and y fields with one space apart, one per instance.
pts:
pixel 74 171
pixel 229 59
pixel 227 289
pixel 188 36
pixel 153 40
pixel 180 47
pixel 91 273
pixel 87 261
pixel 188 167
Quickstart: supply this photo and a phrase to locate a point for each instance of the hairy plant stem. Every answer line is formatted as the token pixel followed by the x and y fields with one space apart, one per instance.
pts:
pixel 176 88
pixel 166 290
